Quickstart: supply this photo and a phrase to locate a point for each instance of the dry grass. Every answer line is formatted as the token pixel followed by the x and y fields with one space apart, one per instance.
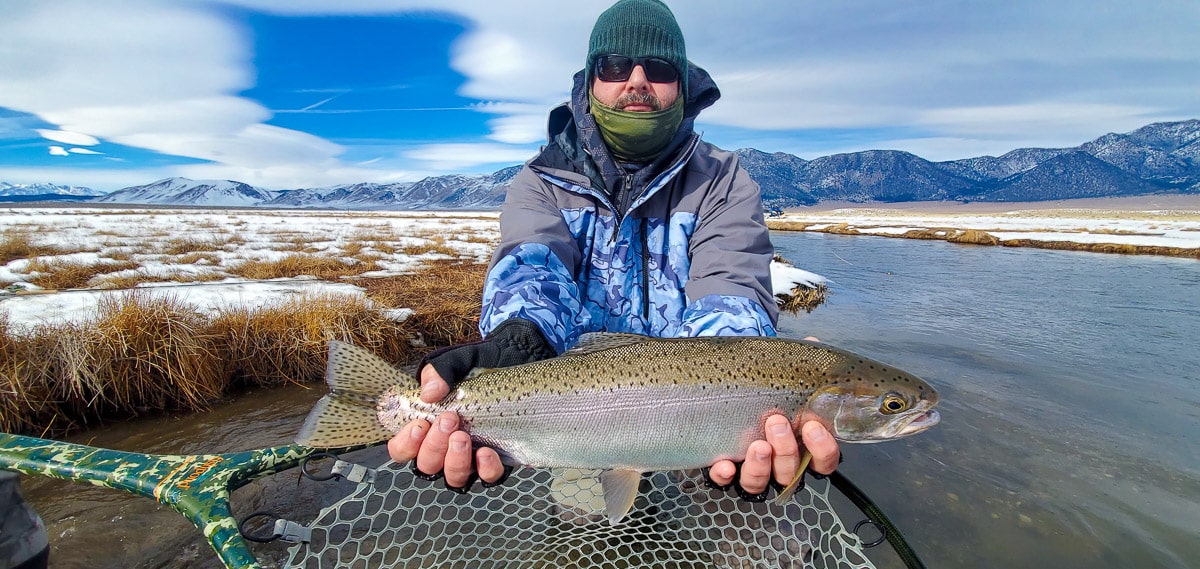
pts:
pixel 71 274
pixel 286 342
pixel 433 245
pixel 298 264
pixel 446 296
pixel 20 245
pixel 146 353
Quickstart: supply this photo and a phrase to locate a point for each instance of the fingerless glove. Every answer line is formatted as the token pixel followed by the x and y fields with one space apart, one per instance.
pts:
pixel 515 341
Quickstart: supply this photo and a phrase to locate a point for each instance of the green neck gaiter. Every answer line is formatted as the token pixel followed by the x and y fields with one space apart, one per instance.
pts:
pixel 637 136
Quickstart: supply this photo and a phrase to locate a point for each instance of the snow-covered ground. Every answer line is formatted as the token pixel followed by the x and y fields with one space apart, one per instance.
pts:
pixel 158 242
pixel 198 247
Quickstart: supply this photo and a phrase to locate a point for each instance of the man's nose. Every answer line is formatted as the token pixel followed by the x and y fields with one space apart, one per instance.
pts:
pixel 637 80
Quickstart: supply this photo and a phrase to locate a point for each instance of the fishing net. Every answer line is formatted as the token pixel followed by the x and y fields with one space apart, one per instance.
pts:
pixel 549 519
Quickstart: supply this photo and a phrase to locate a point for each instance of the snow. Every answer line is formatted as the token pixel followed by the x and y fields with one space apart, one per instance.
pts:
pixel 1162 228
pixel 89 235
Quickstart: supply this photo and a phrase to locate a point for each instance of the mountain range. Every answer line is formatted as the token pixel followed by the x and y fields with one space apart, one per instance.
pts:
pixel 1157 158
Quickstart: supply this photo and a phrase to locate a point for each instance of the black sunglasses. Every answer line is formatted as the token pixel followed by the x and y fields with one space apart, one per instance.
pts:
pixel 612 68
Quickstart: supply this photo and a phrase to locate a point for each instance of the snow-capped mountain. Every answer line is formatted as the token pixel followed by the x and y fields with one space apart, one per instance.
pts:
pixel 184 191
pixel 1157 158
pixel 45 192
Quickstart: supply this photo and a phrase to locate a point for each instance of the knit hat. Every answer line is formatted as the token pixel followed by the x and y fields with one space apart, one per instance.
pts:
pixel 639 28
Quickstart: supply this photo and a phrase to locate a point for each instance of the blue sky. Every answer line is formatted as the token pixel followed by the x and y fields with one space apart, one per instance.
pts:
pixel 307 93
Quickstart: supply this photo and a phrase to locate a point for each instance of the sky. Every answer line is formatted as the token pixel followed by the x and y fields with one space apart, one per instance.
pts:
pixel 286 94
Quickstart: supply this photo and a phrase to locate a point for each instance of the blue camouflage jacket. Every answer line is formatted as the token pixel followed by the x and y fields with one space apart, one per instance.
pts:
pixel 675 248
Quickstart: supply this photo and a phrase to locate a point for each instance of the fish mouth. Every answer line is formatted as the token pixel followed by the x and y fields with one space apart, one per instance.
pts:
pixel 921 422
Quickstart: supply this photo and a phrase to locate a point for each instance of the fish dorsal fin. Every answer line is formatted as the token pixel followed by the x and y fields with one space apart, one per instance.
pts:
pixel 620 491
pixel 597 341
pixel 352 369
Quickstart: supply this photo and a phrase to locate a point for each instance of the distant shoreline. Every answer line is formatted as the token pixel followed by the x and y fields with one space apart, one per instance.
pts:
pixel 1155 202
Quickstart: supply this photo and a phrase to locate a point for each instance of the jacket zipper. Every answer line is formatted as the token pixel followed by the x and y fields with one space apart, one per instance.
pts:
pixel 645 274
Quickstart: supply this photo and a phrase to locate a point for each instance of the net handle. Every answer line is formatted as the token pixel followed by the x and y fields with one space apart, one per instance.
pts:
pixel 197 486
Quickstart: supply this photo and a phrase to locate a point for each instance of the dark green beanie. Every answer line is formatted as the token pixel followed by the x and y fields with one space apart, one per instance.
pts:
pixel 639 28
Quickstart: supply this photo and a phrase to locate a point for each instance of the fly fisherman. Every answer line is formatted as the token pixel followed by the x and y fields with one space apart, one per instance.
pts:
pixel 23 540
pixel 625 222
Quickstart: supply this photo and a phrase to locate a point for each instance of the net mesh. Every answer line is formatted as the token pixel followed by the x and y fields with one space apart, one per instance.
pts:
pixel 548 519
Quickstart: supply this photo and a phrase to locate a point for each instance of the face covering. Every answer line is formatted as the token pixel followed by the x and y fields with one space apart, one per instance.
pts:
pixel 637 136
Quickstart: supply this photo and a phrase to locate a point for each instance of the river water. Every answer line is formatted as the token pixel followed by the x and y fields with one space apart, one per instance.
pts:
pixel 1070 387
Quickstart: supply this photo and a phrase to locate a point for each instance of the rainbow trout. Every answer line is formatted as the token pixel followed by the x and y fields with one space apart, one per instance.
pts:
pixel 630 404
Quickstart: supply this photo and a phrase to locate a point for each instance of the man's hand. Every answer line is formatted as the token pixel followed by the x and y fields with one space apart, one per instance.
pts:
pixel 779 454
pixel 442 446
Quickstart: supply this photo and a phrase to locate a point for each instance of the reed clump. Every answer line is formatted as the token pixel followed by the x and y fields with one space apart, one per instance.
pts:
pixel 287 341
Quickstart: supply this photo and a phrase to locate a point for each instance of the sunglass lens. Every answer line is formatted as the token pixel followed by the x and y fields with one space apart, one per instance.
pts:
pixel 659 71
pixel 614 68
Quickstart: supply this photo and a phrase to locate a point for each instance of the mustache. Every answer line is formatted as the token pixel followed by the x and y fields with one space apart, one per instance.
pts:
pixel 637 99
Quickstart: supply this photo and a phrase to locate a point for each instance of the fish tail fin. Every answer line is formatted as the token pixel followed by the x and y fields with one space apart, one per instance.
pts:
pixel 348 415
pixel 337 421
pixel 357 370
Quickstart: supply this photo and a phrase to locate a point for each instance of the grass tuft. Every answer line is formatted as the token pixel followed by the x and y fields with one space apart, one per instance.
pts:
pixel 297 265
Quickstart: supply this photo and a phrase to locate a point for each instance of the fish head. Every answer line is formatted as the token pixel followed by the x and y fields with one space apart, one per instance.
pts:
pixel 872 403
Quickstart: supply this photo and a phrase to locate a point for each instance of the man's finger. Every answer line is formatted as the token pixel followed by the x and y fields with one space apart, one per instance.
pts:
pixel 404 446
pixel 488 464
pixel 822 445
pixel 459 460
pixel 432 456
pixel 785 449
pixel 433 387
pixel 756 470
pixel 722 472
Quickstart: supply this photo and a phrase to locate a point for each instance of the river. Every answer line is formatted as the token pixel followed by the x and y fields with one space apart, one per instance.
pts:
pixel 1070 389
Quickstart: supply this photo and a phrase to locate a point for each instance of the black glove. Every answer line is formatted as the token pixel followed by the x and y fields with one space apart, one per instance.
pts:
pixel 515 341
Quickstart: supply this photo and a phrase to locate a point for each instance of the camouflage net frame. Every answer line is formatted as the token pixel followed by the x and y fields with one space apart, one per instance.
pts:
pixel 549 519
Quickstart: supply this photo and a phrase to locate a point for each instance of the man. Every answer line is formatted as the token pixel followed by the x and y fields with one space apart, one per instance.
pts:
pixel 625 222
pixel 23 540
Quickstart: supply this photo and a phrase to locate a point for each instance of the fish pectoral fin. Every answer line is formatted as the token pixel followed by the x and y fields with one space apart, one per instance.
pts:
pixel 620 490
pixel 786 493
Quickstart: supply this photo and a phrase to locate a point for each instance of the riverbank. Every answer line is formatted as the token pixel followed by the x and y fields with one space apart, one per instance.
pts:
pixel 1166 225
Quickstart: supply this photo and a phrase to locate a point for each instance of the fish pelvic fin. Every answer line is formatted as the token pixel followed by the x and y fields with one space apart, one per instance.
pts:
pixel 797 480
pixel 338 421
pixel 620 490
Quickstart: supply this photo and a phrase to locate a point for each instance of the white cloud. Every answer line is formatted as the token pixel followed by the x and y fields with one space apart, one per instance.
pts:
pixel 58 151
pixel 459 157
pixel 83 151
pixel 67 137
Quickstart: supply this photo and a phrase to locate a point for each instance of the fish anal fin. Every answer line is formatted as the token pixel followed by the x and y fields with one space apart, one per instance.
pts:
pixel 620 490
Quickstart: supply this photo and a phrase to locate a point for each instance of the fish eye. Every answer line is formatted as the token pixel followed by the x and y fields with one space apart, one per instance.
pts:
pixel 892 403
